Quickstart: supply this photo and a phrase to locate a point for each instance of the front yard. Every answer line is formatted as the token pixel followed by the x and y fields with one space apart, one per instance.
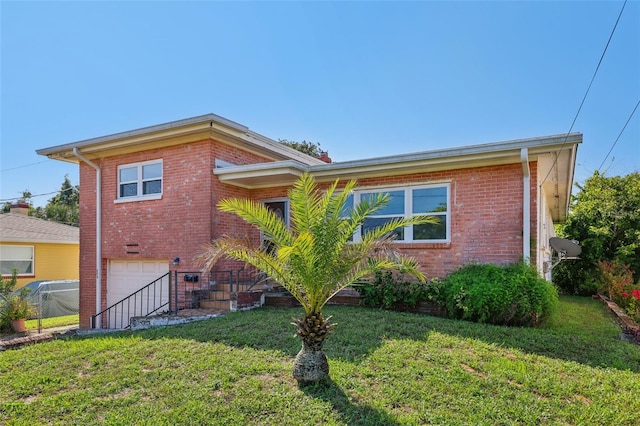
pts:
pixel 387 368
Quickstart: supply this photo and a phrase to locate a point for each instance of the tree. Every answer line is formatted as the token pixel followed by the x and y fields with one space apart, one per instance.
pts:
pixel 309 148
pixel 605 219
pixel 64 206
pixel 315 257
pixel 25 198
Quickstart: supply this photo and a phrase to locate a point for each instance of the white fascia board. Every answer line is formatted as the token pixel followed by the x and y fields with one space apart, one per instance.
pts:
pixel 257 168
pixel 285 151
pixel 209 124
pixel 202 122
pixel 442 159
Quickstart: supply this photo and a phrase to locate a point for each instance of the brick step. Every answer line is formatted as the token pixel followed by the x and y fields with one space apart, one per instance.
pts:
pixel 215 304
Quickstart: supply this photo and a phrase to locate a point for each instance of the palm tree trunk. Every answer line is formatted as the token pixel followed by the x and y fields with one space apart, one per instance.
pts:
pixel 310 365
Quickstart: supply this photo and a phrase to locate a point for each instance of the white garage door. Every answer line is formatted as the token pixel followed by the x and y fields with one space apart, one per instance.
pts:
pixel 124 278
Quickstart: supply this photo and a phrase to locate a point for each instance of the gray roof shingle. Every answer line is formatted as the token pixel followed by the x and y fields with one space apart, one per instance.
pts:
pixel 17 227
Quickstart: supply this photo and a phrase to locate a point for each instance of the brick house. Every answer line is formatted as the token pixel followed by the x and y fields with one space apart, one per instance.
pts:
pixel 148 197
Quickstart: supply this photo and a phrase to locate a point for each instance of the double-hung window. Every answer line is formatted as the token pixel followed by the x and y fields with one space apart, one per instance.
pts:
pixel 16 257
pixel 432 200
pixel 140 180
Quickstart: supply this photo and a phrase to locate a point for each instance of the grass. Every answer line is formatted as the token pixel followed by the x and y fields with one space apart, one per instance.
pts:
pixel 388 368
pixel 53 322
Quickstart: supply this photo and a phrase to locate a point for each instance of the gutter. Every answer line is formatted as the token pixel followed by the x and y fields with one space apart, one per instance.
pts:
pixel 77 153
pixel 526 205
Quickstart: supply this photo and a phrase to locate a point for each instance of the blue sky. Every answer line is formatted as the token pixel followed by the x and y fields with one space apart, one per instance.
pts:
pixel 364 79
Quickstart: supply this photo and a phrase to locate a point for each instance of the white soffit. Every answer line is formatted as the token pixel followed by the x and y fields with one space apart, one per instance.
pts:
pixel 274 174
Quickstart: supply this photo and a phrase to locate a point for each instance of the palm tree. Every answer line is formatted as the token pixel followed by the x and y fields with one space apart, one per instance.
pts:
pixel 315 257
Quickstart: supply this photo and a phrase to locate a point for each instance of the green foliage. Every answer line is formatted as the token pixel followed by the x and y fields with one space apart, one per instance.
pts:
pixel 605 219
pixel 314 258
pixel 616 281
pixel 13 306
pixel 6 289
pixel 502 295
pixel 64 206
pixel 309 148
pixel 387 290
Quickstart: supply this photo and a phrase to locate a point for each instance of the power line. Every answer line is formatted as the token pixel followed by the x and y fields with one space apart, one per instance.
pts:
pixel 555 160
pixel 23 166
pixel 5 200
pixel 621 131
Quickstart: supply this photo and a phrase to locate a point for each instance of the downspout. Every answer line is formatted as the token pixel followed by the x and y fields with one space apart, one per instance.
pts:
pixel 526 206
pixel 77 153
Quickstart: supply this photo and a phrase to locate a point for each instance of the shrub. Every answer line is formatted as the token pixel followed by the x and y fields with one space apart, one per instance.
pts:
pixel 387 290
pixel 503 295
pixel 6 296
pixel 616 281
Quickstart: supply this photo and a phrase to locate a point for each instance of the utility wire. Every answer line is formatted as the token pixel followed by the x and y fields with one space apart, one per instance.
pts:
pixel 23 166
pixel 4 200
pixel 621 131
pixel 555 160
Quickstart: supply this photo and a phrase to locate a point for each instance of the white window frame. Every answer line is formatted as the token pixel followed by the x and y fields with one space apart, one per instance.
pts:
pixel 140 182
pixel 4 256
pixel 408 210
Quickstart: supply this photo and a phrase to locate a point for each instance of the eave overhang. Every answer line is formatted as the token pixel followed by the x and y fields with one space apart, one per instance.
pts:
pixel 556 154
pixel 209 126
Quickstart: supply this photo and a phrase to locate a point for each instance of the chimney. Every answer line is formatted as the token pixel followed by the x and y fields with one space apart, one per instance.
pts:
pixel 20 207
pixel 324 156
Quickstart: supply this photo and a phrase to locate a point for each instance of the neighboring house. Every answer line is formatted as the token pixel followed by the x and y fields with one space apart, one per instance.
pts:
pixel 39 249
pixel 148 196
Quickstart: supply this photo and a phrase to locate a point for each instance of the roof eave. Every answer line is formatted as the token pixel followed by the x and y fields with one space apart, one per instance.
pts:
pixel 174 133
pixel 255 176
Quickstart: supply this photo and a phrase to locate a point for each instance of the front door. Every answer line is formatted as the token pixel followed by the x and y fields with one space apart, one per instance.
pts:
pixel 280 207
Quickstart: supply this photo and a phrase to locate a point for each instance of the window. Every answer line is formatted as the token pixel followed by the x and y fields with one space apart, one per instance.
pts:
pixel 431 200
pixel 142 180
pixel 16 257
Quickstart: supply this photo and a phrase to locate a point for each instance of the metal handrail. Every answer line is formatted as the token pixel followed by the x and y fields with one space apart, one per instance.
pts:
pixel 153 297
pixel 152 303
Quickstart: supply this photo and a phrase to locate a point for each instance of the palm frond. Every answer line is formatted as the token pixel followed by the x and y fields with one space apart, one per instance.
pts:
pixel 316 258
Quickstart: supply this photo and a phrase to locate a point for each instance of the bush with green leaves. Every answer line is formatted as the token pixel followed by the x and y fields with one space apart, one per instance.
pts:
pixel 6 293
pixel 387 290
pixel 503 295
pixel 605 218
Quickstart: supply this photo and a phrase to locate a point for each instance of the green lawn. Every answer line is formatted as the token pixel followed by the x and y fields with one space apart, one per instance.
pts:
pixel 388 368
pixel 53 322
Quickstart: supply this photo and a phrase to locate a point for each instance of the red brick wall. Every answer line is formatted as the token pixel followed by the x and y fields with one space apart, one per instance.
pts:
pixel 485 205
pixel 486 216
pixel 177 225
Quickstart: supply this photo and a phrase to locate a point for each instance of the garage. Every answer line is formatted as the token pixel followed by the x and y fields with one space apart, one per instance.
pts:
pixel 124 278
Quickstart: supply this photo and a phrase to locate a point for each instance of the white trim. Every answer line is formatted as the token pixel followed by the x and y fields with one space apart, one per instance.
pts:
pixel 526 206
pixel 408 209
pixel 134 199
pixel 32 260
pixel 140 181
pixel 219 164
pixel 81 157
